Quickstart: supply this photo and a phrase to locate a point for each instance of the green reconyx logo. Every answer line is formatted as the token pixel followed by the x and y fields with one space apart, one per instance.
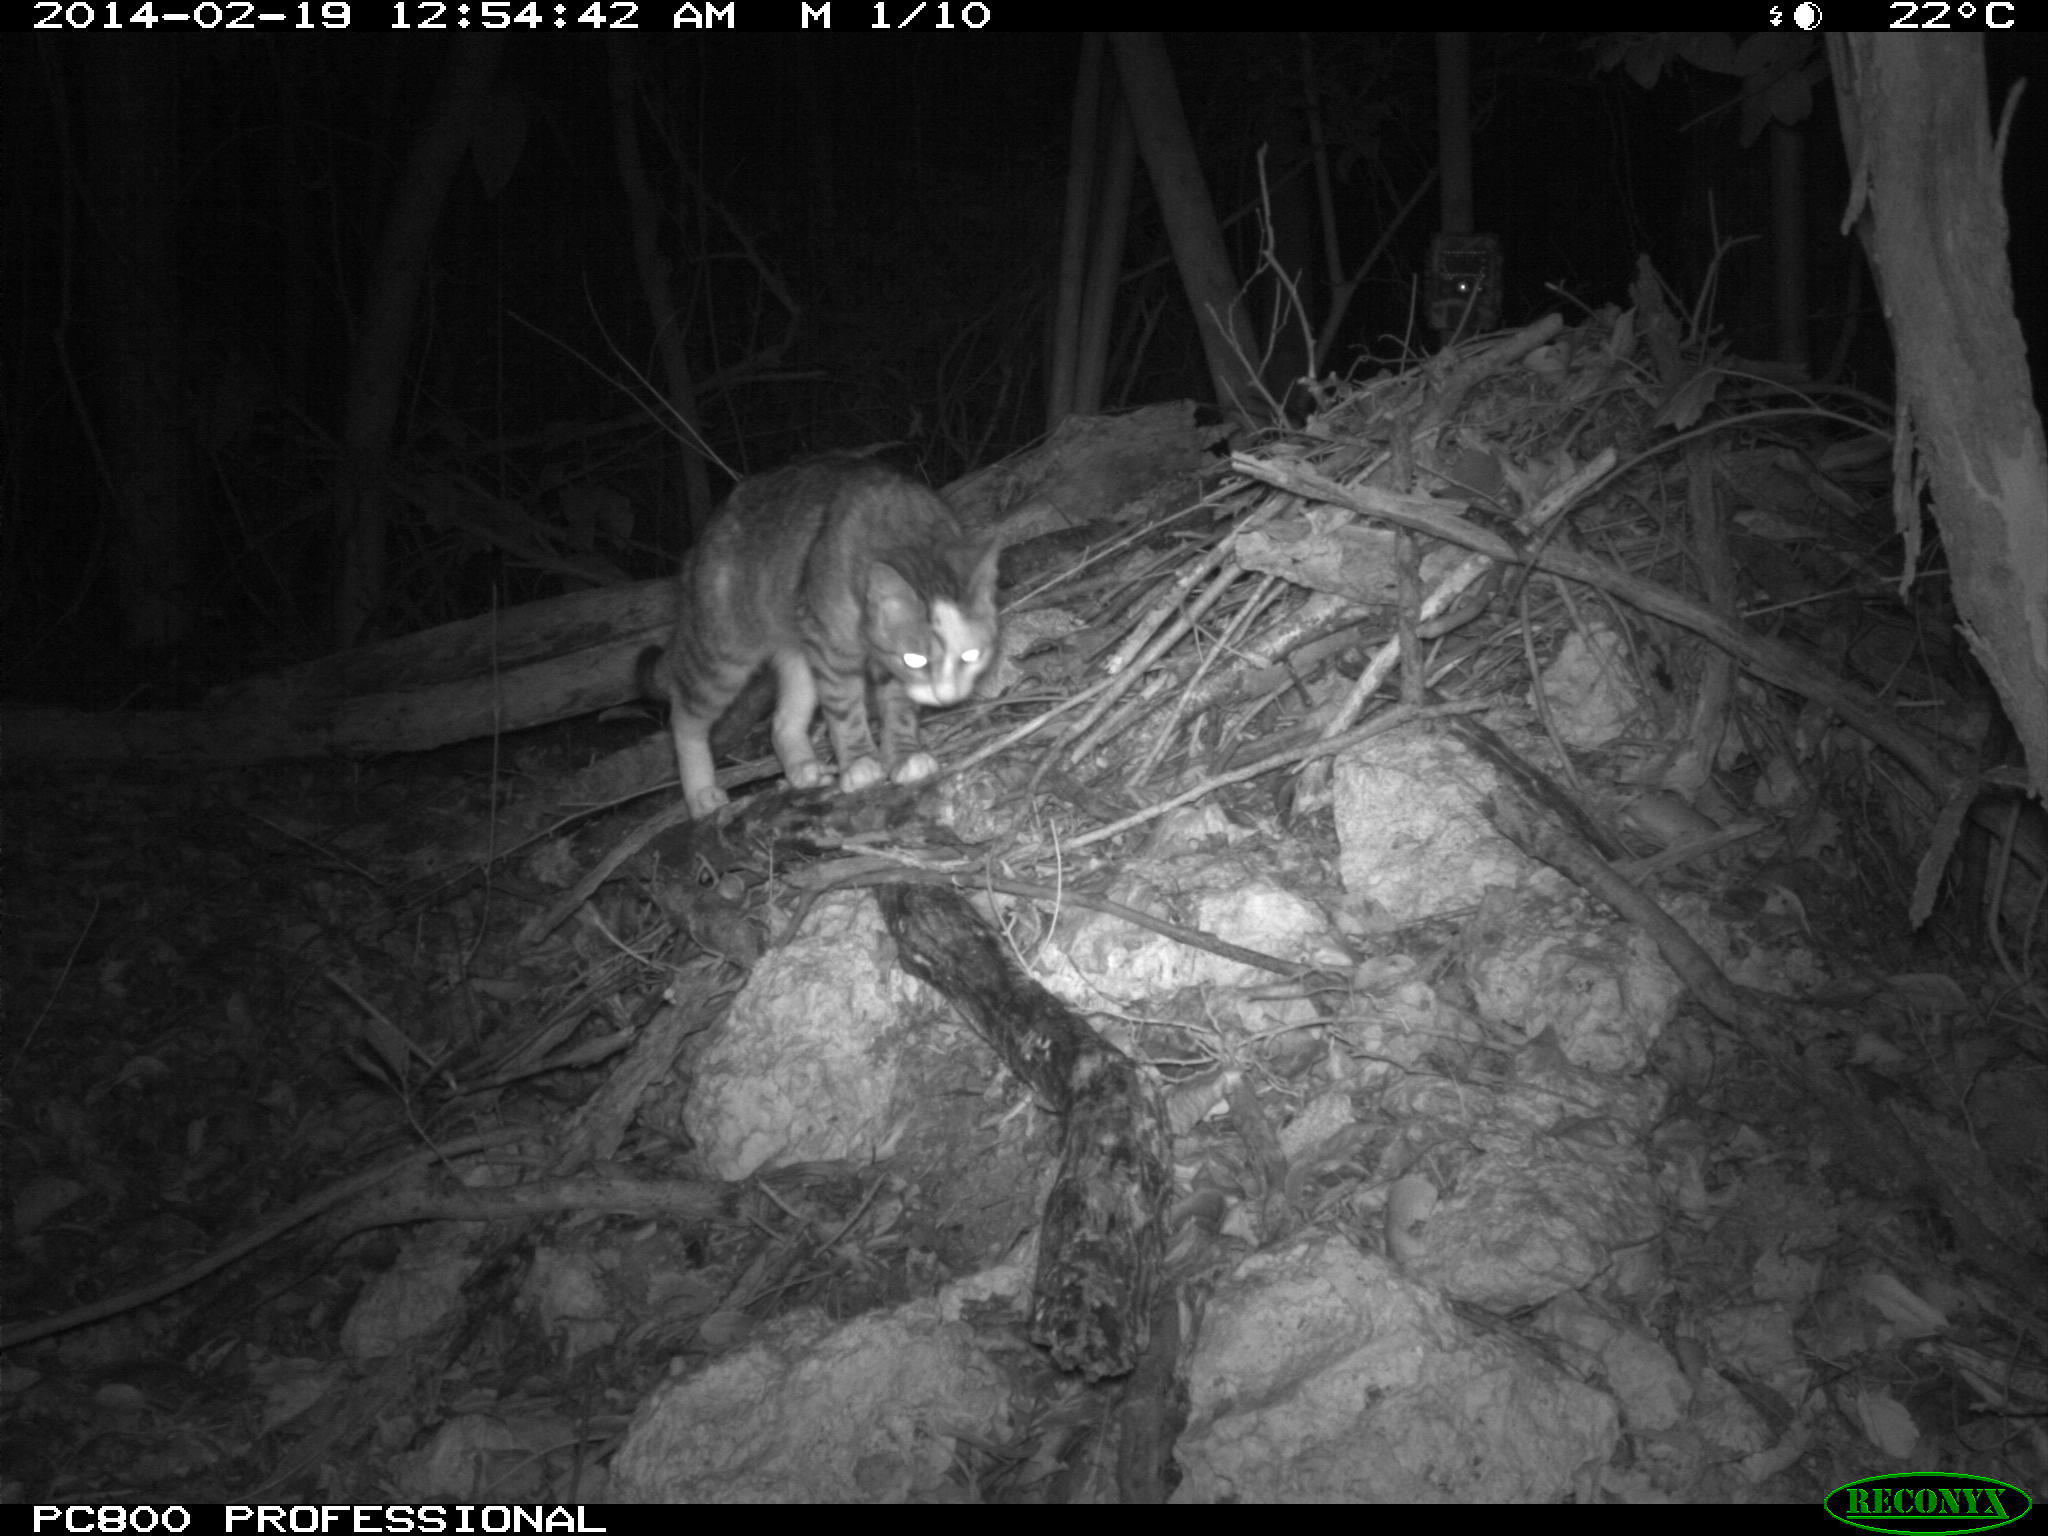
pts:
pixel 1947 1503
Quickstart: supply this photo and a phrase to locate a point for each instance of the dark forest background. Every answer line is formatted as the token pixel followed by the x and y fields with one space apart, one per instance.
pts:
pixel 862 232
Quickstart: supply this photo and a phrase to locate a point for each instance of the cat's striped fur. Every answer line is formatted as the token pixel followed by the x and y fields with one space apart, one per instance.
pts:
pixel 835 571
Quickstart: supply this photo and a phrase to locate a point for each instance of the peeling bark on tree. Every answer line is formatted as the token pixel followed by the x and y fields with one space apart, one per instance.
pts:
pixel 1926 201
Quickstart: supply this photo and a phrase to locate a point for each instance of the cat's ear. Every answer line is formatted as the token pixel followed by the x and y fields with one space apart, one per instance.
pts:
pixel 892 601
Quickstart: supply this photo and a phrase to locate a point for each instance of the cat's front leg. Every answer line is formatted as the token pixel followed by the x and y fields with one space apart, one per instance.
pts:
pixel 843 690
pixel 796 700
pixel 910 764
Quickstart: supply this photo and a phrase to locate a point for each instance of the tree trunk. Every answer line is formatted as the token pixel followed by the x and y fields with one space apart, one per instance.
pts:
pixel 523 667
pixel 131 135
pixel 377 367
pixel 644 212
pixel 1083 155
pixel 1454 130
pixel 1191 228
pixel 1789 304
pixel 1106 263
pixel 1926 201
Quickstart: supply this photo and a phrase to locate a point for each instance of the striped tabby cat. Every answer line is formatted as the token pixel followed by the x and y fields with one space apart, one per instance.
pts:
pixel 836 571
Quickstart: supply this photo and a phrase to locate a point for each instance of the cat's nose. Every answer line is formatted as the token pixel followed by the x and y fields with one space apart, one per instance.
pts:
pixel 951 686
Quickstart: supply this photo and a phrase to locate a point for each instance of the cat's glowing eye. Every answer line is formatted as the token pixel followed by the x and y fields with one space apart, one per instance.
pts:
pixel 915 662
pixel 970 657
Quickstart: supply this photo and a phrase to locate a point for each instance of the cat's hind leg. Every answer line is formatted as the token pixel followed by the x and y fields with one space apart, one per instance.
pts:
pixel 691 713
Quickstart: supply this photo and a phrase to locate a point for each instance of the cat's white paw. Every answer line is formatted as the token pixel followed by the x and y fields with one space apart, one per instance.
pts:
pixel 859 774
pixel 806 773
pixel 916 768
pixel 703 802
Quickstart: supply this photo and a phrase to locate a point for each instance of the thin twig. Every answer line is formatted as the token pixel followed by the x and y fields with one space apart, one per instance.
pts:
pixel 1080 745
pixel 1225 646
pixel 1400 714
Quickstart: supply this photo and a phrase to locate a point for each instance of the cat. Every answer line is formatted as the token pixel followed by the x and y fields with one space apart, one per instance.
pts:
pixel 836 571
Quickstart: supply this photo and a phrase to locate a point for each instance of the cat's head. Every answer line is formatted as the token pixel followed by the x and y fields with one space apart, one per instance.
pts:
pixel 932 620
